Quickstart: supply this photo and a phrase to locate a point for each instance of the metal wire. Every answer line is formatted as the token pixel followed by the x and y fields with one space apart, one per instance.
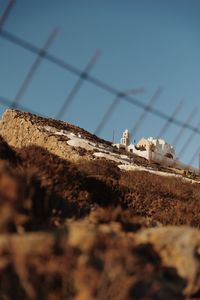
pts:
pixel 8 103
pixel 113 107
pixel 193 158
pixel 6 13
pixel 188 141
pixel 35 67
pixel 78 85
pixel 146 110
pixel 171 118
pixel 182 129
pixel 99 83
pixel 43 53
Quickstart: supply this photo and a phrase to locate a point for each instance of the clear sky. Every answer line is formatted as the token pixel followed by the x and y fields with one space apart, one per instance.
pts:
pixel 144 44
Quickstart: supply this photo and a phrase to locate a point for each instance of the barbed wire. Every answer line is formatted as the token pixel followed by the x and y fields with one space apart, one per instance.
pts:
pixel 170 120
pixel 6 13
pixel 84 75
pixel 144 113
pixel 8 103
pixel 188 142
pixel 113 106
pixel 182 129
pixel 78 85
pixel 97 82
pixel 34 67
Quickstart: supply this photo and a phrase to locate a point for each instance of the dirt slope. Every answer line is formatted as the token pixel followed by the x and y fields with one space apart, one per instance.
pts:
pixel 74 228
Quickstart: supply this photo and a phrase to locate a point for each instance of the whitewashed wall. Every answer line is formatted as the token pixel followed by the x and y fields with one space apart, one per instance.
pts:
pixel 158 157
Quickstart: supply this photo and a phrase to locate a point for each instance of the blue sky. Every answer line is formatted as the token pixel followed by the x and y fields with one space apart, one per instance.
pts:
pixel 144 43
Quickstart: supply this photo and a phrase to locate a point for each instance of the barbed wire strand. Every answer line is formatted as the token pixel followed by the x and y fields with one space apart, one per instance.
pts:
pixel 169 121
pixel 62 111
pixel 188 141
pixel 144 113
pixel 35 66
pixel 112 107
pixel 194 156
pixel 8 103
pixel 4 16
pixel 182 129
pixel 97 82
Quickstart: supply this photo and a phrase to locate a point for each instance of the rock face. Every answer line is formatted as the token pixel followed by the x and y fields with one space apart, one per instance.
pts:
pixel 178 248
pixel 21 129
pixel 83 229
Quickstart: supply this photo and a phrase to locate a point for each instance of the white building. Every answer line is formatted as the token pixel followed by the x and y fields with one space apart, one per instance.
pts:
pixel 126 139
pixel 150 148
pixel 158 146
pixel 153 149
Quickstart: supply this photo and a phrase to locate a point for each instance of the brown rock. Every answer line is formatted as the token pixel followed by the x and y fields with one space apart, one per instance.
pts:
pixel 21 129
pixel 179 248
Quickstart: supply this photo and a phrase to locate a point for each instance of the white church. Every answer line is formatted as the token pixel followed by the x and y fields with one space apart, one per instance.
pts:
pixel 150 148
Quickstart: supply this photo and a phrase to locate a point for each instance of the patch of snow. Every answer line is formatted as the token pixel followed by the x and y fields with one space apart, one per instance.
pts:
pixel 73 134
pixel 55 131
pixel 124 156
pixel 77 142
pixel 166 174
pixel 110 156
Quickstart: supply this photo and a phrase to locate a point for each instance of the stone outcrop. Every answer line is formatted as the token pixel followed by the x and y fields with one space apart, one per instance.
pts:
pixel 21 129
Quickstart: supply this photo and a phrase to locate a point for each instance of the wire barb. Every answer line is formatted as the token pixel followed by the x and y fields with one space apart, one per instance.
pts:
pixel 93 80
pixel 97 82
pixel 113 107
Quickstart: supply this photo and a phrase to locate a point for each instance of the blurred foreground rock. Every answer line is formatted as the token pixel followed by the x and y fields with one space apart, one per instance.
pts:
pixel 84 262
pixel 178 247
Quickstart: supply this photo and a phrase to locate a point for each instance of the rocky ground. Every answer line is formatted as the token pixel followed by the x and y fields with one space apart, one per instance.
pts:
pixel 73 225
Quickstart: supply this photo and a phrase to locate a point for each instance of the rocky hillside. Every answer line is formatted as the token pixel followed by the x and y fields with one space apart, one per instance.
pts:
pixel 81 221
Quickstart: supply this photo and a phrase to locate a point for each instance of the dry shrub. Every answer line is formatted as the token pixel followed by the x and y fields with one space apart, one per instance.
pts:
pixel 25 204
pixel 126 218
pixel 100 167
pixel 72 181
pixel 7 153
pixel 87 184
pixel 59 175
pixel 166 199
